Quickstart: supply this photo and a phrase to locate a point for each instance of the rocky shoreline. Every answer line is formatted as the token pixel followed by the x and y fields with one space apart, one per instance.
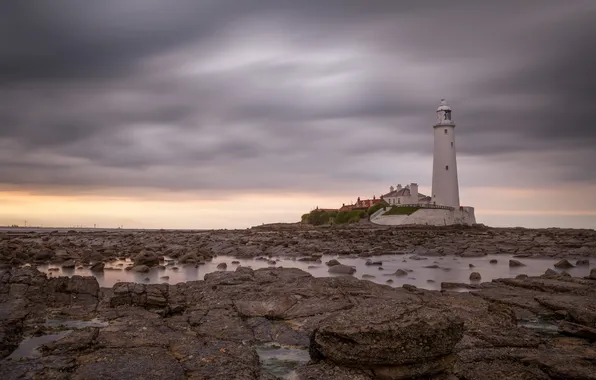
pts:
pixel 523 328
pixel 75 248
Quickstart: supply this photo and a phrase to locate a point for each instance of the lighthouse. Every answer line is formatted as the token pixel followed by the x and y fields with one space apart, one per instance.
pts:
pixel 445 188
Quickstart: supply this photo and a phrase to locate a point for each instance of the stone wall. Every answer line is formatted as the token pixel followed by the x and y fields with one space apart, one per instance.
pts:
pixel 431 217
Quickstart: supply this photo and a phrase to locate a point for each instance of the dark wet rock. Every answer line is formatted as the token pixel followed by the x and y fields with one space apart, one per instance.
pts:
pixel 516 263
pixel 471 265
pixel 69 264
pixel 399 273
pixel 341 269
pixel 189 258
pixel 577 330
pixel 493 261
pixel 43 255
pixel 149 363
pixel 417 257
pixel 549 272
pixel 592 274
pixel 165 278
pixel 390 281
pixel 235 262
pixel 329 371
pixel 146 258
pixel 563 264
pixel 97 267
pixel 416 370
pixel 379 335
pixel 140 269
pixel 222 266
pixel 368 276
pixel 370 262
pixel 434 266
pixel 475 276
pixel 583 262
pixel 332 262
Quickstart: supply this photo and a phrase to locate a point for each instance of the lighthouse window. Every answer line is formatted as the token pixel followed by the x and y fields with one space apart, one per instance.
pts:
pixel 446 167
pixel 452 144
pixel 445 131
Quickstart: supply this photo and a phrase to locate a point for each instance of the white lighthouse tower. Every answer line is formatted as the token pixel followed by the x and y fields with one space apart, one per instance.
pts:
pixel 445 188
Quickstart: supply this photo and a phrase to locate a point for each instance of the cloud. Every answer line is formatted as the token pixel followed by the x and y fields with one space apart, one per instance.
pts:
pixel 261 96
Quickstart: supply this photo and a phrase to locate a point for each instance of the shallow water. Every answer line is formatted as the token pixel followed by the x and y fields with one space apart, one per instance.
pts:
pixel 450 269
pixel 282 361
pixel 72 324
pixel 29 347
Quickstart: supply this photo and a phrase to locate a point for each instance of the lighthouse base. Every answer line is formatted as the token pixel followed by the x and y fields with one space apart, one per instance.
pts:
pixel 429 217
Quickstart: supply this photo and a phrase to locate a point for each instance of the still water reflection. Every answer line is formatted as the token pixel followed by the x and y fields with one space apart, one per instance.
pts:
pixel 427 273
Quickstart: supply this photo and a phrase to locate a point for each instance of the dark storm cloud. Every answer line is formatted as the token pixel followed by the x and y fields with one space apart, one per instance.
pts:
pixel 267 94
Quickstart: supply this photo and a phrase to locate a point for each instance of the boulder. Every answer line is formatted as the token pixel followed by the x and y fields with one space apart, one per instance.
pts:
pixel 592 274
pixel 493 261
pixel 583 262
pixel 370 262
pixel 97 267
pixel 146 258
pixel 332 262
pixel 399 272
pixel 374 334
pixel 475 276
pixel 140 269
pixel 515 263
pixel 549 272
pixel 341 269
pixel 43 255
pixel 563 264
pixel 69 264
pixel 222 266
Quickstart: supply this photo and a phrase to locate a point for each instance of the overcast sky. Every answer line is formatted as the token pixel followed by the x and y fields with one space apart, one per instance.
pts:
pixel 230 113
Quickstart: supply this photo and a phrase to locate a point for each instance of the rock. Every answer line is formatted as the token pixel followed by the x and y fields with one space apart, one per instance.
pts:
pixel 367 276
pixel 592 274
pixel 550 272
pixel 235 262
pixel 434 266
pixel 563 264
pixel 583 262
pixel 471 265
pixel 399 273
pixel 475 276
pixel 43 255
pixel 417 257
pixel 341 269
pixel 370 262
pixel 146 258
pixel 493 261
pixel 222 266
pixel 430 281
pixel 140 269
pixel 165 278
pixel 415 370
pixel 375 334
pixel 189 258
pixel 577 330
pixel 390 281
pixel 97 267
pixel 69 264
pixel 332 262
pixel 515 263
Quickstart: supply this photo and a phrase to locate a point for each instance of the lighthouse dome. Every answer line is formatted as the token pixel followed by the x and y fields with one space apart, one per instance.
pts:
pixel 443 106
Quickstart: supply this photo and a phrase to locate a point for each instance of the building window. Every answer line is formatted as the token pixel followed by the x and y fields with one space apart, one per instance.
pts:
pixel 445 131
pixel 446 167
pixel 398 201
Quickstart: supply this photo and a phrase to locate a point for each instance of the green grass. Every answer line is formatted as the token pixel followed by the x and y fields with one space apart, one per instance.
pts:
pixel 406 210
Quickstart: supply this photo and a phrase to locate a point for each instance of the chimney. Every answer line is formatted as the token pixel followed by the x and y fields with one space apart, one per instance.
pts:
pixel 398 186
pixel 414 192
pixel 391 188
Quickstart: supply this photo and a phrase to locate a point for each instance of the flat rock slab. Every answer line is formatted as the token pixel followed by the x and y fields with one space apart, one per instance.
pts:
pixel 133 363
pixel 381 334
